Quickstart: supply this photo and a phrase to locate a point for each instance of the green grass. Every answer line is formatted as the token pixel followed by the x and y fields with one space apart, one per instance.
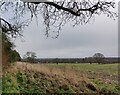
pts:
pixel 105 76
pixel 102 70
pixel 106 68
pixel 51 78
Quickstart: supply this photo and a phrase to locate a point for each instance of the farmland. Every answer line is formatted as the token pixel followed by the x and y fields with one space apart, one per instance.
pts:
pixel 106 71
pixel 61 78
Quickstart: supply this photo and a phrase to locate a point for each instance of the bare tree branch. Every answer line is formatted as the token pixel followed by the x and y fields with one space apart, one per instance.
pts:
pixel 57 14
pixel 13 29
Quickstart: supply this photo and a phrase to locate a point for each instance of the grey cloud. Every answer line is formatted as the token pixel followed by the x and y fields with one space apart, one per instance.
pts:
pixel 79 41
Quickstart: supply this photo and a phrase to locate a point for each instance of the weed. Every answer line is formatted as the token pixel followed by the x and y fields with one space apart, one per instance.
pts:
pixel 60 78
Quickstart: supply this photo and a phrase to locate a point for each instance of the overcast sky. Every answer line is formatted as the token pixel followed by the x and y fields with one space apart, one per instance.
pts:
pixel 80 41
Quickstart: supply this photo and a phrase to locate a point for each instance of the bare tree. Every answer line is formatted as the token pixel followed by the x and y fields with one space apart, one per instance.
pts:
pixel 30 56
pixel 98 57
pixel 56 14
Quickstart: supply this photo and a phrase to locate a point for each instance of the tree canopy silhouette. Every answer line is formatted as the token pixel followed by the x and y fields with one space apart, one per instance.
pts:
pixel 99 58
pixel 55 14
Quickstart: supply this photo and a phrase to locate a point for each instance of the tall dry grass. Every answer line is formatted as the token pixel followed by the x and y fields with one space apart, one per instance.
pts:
pixel 65 73
pixel 52 73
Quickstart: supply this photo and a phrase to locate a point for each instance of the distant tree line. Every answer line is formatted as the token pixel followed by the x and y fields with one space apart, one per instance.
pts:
pixel 97 58
pixel 77 60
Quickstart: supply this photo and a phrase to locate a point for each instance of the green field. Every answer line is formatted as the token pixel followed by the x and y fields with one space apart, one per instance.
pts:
pixel 106 68
pixel 109 71
pixel 61 78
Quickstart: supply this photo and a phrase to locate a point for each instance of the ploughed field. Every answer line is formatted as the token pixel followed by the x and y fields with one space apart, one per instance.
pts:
pixel 61 78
